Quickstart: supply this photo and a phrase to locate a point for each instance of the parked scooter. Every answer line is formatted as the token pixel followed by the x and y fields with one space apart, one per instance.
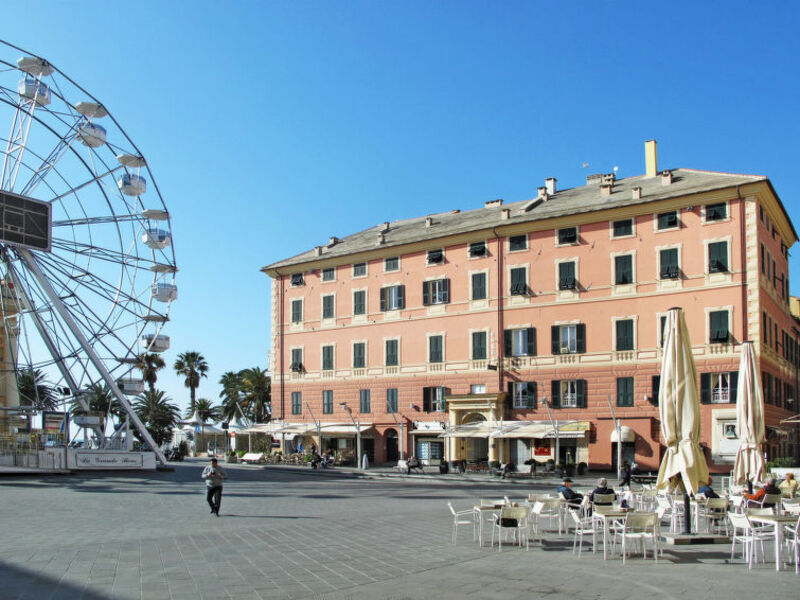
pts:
pixel 174 454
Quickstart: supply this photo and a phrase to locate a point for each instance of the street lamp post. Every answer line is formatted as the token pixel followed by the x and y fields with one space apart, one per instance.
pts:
pixel 618 428
pixel 357 425
pixel 555 427
pixel 402 436
pixel 319 427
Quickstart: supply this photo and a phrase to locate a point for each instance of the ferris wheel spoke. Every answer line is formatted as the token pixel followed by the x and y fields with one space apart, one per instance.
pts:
pixel 97 220
pixel 105 254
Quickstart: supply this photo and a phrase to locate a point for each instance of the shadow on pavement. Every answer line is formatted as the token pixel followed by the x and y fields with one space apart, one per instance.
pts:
pixel 24 583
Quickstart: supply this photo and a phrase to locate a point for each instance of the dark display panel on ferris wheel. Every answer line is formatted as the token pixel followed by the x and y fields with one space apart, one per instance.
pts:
pixel 24 221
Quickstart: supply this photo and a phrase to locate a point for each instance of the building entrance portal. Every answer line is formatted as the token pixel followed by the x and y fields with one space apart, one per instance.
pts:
pixel 392 452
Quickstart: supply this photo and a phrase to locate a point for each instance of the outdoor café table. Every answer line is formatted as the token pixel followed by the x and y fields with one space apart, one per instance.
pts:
pixel 480 510
pixel 777 521
pixel 607 518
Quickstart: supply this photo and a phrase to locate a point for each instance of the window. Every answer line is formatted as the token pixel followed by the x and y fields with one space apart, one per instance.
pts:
pixel 522 394
pixel 435 349
pixel 364 401
pixel 478 345
pixel 328 306
pixel 297 311
pixel 520 342
pixel 296 365
pixel 435 257
pixel 360 269
pixel 477 388
pixel 624 334
pixel 566 276
pixel 518 242
pixel 663 329
pixel 327 358
pixel 623 269
pixel 569 339
pixel 668 220
pixel 391 264
pixel 669 264
pixel 360 302
pixel 392 354
pixel 718 257
pixel 434 399
pixel 623 227
pixel 328 274
pixel 569 393
pixel 296 279
pixel 763 259
pixel 297 403
pixel 359 355
pixel 568 235
pixel 477 249
pixel 479 286
pixel 624 391
pixel 391 400
pixel 435 292
pixel 654 389
pixel 393 298
pixel 716 212
pixel 719 388
pixel 327 402
pixel 519 281
pixel 718 327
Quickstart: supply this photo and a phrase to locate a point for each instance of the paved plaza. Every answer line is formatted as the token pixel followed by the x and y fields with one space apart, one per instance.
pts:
pixel 288 533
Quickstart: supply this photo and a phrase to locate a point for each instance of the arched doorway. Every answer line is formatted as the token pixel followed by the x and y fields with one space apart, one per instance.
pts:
pixel 392 453
pixel 476 448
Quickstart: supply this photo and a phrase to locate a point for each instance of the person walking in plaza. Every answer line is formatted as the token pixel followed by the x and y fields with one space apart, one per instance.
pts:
pixel 625 475
pixel 214 476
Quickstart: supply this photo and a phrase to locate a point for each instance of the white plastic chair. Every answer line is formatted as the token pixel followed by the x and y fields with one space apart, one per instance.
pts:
pixel 639 527
pixel 714 513
pixel 459 519
pixel 547 509
pixel 583 526
pixel 791 537
pixel 511 518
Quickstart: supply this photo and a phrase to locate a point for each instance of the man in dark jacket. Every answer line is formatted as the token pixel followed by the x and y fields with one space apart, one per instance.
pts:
pixel 602 489
pixel 572 497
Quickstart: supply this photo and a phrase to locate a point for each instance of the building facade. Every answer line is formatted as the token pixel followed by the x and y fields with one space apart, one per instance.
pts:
pixel 481 334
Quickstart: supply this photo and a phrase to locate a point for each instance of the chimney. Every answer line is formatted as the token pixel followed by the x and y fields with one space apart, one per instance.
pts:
pixel 505 213
pixel 605 189
pixel 542 193
pixel 385 226
pixel 609 178
pixel 650 158
pixel 594 178
pixel 493 203
pixel 318 250
pixel 380 238
pixel 666 177
pixel 636 193
pixel 550 184
pixel 333 241
pixel 428 221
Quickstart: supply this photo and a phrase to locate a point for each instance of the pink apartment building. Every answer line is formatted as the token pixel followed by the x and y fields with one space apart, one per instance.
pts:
pixel 475 335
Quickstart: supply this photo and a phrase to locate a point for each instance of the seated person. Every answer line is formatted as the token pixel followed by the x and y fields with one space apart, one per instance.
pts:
pixel 602 489
pixel 413 463
pixel 788 486
pixel 315 458
pixel 506 468
pixel 707 490
pixel 572 497
pixel 769 488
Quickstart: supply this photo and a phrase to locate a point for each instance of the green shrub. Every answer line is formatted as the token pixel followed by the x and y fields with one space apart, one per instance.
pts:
pixel 781 463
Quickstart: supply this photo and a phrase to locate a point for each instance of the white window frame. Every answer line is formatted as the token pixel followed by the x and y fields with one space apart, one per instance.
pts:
pixel 569 399
pixel 392 298
pixel 669 283
pixel 727 308
pixel 527 242
pixel 635 319
pixel 722 274
pixel 488 350
pixel 519 297
pixel 570 345
pixel 353 353
pixel 366 270
pixel 437 398
pixel 485 245
pixel 322 275
pixel 302 356
pixel 577 241
pixel 519 348
pixel 622 237
pixel 353 303
pixel 477 388
pixel 302 311
pixel 613 258
pixel 296 285
pixel 486 274
pixel 720 394
pixel 428 337
pixel 727 218
pixel 322 356
pixel 558 262
pixel 677 212
pixel 439 264
pixel 322 316
pixel 399 346
pixel 519 394
pixel 385 270
pixel 436 291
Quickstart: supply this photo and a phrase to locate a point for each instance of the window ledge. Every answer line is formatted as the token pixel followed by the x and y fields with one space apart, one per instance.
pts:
pixel 391 370
pixel 567 295
pixel 328 374
pixel 359 319
pixel 478 364
pixel 391 315
pixel 435 367
pixel 360 372
pixel 670 284
pixel 624 355
pixel 623 289
pixel 566 359
pixel 477 304
pixel 330 322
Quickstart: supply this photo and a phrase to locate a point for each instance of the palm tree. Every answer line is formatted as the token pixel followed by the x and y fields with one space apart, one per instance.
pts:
pixel 150 364
pixel 205 410
pixel 193 366
pixel 35 390
pixel 231 395
pixel 158 413
pixel 256 392
pixel 100 400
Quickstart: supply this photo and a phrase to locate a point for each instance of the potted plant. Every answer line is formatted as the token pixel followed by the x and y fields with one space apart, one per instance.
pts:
pixel 531 463
pixel 494 467
pixel 558 470
pixel 582 468
pixel 230 457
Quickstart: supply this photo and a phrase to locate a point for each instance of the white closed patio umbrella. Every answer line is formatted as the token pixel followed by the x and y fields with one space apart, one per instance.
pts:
pixel 749 464
pixel 679 410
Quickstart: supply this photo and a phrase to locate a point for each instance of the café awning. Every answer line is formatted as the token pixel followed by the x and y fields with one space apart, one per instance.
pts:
pixel 626 433
pixel 481 429
pixel 541 430
pixel 343 428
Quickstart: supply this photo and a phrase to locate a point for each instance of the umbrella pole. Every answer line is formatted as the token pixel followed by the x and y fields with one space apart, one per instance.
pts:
pixel 687 514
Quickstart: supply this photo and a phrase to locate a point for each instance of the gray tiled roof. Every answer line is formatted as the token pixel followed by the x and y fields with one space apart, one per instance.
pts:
pixel 566 202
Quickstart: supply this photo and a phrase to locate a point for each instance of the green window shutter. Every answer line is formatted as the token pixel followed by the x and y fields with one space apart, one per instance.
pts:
pixel 427 392
pixel 478 345
pixel 718 324
pixel 426 293
pixel 510 395
pixel 444 399
pixel 733 381
pixel 656 386
pixel 531 394
pixel 401 296
pixel 391 353
pixel 507 343
pixel 580 336
pixel 625 334
pixel 446 291
pixel 580 389
pixel 718 257
pixel 663 329
pixel 555 341
pixel 531 335
pixel 358 356
pixel 705 388
pixel 555 400
pixel 384 293
pixel 435 346
pixel 478 286
pixel 623 269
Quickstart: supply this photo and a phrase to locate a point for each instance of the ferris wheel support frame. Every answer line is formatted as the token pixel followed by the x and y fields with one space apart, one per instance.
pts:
pixel 47 288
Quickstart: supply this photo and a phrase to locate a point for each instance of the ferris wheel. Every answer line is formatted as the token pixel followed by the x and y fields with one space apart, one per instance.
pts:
pixel 87 265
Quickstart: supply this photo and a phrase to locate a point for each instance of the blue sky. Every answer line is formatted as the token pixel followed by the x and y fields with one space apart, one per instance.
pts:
pixel 270 126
